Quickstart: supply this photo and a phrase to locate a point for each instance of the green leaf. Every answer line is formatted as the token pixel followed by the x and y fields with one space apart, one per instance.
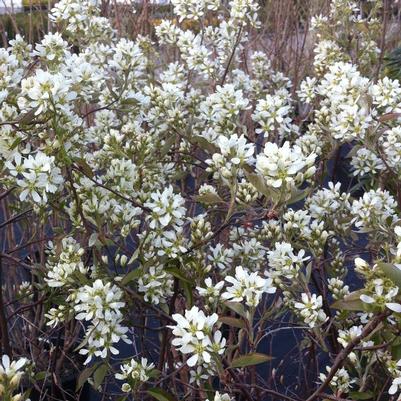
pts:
pixel 129 101
pixel 396 352
pixel 100 374
pixel 205 144
pixel 154 373
pixel 364 395
pixel 169 142
pixel 232 321
pixel 84 375
pixel 391 271
pixel 188 289
pixel 131 276
pixel 27 117
pixel 15 143
pixel 308 272
pixel 209 198
pixel 93 239
pixel 41 375
pixel 160 395
pixel 237 308
pixel 251 359
pixel 259 183
pixel 175 271
pixel 209 390
pixel 351 302
pixel 84 166
pixel 297 195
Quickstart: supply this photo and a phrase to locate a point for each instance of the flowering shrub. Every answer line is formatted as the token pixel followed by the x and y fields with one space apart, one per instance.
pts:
pixel 172 202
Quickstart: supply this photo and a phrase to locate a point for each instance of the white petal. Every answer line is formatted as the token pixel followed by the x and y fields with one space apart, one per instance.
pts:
pixel 394 307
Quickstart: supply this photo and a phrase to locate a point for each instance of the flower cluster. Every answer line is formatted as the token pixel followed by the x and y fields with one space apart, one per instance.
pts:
pixel 11 373
pixel 133 373
pixel 193 334
pixel 101 304
pixel 37 176
pixel 184 176
pixel 310 309
pixel 247 287
pixel 284 167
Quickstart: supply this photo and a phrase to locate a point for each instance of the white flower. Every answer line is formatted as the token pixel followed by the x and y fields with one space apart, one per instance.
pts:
pixel 56 315
pixel 375 210
pixel 284 167
pixel 52 48
pixel 206 189
pixel 61 268
pixel 10 368
pixel 386 94
pixel 284 261
pixel 221 397
pixel 248 287
pixel 391 143
pixel 346 336
pixel 100 338
pixel 11 373
pixel 99 301
pixel 341 381
pixel 166 208
pixel 156 284
pixel 46 92
pixel 224 105
pixel 311 309
pixel 307 91
pixel 366 162
pixel 101 304
pixel 221 257
pixel 236 149
pixel 212 291
pixel 395 385
pixel 193 335
pixel 135 373
pixel 381 296
pixel 272 113
pixel 244 11
pixel 193 9
pixel 37 176
pixel 198 375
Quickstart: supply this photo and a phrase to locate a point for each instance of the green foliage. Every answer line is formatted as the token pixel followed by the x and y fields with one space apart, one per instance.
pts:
pixel 251 359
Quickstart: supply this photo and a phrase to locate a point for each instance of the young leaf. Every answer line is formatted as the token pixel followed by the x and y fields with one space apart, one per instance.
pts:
pixel 237 308
pixel 232 321
pixel 392 272
pixel 396 352
pixel 298 195
pixel 92 239
pixel 251 359
pixel 361 395
pixel 209 198
pixel 84 166
pixel 160 395
pixel 205 144
pixel 351 302
pixel 131 276
pixel 258 182
pixel 100 374
pixel 175 271
pixel 41 375
pixel 84 375
pixel 188 290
